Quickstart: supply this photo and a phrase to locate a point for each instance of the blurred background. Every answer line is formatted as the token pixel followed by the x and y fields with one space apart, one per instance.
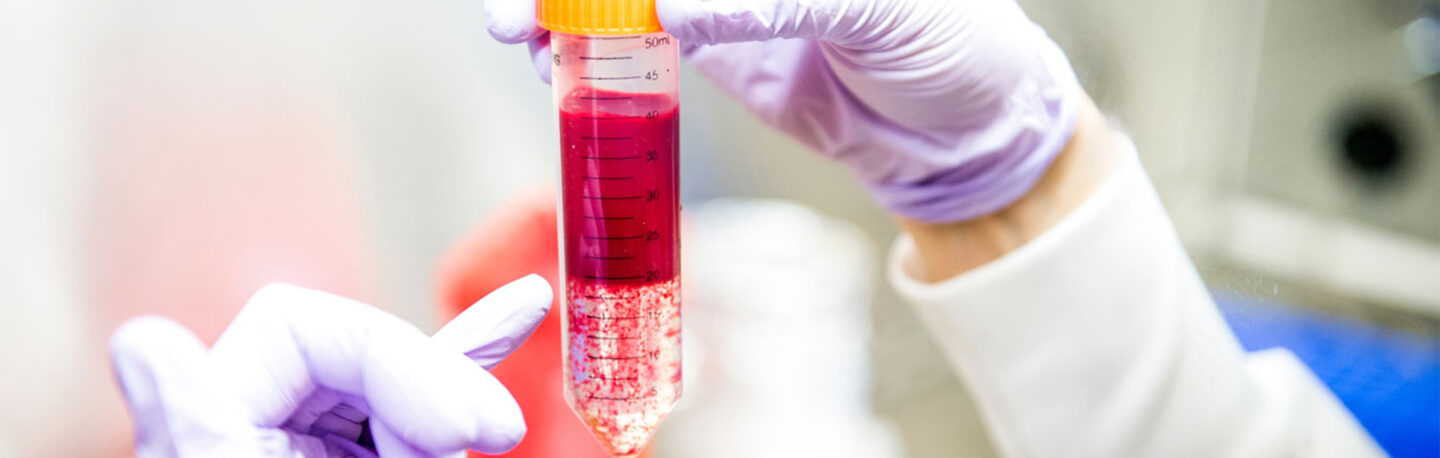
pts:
pixel 171 156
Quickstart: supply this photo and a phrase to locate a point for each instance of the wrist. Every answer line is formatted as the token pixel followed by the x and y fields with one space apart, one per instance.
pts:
pixel 990 150
pixel 944 250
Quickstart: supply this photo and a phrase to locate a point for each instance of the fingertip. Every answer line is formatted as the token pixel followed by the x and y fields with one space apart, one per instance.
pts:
pixel 513 34
pixel 503 424
pixel 511 21
pixel 541 57
pixel 534 290
pixel 524 303
pixel 496 325
pixel 144 341
pixel 500 440
pixel 133 333
pixel 149 357
pixel 496 424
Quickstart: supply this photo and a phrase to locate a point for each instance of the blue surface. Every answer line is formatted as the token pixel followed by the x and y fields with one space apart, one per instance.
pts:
pixel 1390 380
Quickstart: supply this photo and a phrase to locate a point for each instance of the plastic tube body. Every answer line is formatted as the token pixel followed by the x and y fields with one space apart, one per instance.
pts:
pixel 619 126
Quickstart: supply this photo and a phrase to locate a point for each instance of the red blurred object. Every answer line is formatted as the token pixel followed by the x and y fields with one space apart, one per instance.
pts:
pixel 519 239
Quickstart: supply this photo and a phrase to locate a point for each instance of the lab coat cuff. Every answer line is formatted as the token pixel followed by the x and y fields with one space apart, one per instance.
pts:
pixel 917 291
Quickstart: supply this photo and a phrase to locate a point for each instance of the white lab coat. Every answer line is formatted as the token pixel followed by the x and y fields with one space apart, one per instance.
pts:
pixel 1098 339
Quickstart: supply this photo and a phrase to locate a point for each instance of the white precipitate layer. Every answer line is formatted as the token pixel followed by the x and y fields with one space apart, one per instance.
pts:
pixel 622 359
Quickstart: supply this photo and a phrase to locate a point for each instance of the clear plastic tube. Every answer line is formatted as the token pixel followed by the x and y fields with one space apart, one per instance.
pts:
pixel 617 97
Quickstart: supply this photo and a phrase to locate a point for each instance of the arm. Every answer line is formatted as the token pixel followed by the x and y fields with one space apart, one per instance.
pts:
pixel 1082 329
pixel 1037 252
pixel 945 250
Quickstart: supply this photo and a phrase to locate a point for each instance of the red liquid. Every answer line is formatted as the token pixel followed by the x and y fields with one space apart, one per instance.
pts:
pixel 620 193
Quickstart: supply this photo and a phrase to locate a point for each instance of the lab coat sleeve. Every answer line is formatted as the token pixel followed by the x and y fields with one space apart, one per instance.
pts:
pixel 1098 339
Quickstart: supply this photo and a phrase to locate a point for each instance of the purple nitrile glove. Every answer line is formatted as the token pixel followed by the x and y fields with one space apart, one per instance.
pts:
pixel 299 372
pixel 946 109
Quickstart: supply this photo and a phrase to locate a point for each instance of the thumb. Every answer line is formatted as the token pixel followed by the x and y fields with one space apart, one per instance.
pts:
pixel 511 21
pixel 495 326
pixel 706 22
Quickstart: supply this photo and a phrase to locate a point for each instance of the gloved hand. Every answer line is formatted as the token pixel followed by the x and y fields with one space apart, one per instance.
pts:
pixel 946 109
pixel 299 372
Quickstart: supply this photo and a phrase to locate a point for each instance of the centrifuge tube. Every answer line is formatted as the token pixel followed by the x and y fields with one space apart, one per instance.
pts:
pixel 616 87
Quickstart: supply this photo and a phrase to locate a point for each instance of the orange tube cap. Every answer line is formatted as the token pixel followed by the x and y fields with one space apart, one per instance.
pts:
pixel 598 17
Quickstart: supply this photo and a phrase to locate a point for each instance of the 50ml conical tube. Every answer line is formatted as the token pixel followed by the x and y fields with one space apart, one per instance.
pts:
pixel 619 122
